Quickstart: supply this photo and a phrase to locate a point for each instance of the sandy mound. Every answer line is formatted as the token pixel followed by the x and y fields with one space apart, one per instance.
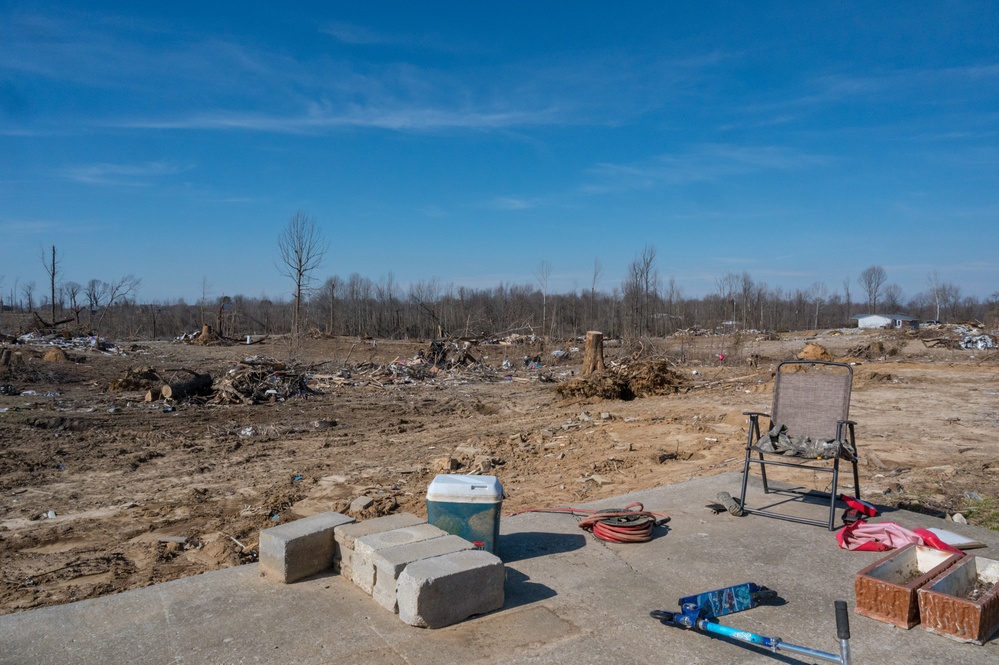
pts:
pixel 55 355
pixel 814 351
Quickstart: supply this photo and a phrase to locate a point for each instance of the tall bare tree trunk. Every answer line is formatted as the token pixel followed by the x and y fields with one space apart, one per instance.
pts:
pixel 593 353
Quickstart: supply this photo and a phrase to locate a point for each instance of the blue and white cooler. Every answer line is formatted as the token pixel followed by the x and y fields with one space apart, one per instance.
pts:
pixel 467 506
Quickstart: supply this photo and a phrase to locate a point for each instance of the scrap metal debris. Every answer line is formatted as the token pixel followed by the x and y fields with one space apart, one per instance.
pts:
pixel 969 336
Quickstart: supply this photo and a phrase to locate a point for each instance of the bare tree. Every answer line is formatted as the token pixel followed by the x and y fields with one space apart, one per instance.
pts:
pixel 28 290
pixel 846 297
pixel 51 265
pixel 942 294
pixel 597 269
pixel 818 292
pixel 543 275
pixel 872 280
pixel 640 291
pixel 893 295
pixel 727 288
pixel 329 296
pixel 73 292
pixel 115 291
pixel 95 292
pixel 206 294
pixel 301 248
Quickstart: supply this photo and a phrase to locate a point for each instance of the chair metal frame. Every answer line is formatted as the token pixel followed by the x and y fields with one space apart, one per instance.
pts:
pixel 815 404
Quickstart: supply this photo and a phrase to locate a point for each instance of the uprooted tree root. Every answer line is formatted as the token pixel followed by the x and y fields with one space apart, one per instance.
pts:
pixel 641 379
pixel 605 384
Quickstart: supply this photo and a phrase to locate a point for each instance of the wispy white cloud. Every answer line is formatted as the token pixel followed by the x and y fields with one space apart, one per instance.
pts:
pixel 354 34
pixel 130 175
pixel 703 163
pixel 27 226
pixel 351 33
pixel 512 203
pixel 435 212
pixel 883 87
pixel 234 85
pixel 46 227
pixel 403 119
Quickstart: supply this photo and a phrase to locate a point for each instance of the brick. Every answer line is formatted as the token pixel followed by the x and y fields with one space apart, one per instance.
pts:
pixel 391 561
pixel 346 534
pixel 298 549
pixel 362 568
pixel 444 590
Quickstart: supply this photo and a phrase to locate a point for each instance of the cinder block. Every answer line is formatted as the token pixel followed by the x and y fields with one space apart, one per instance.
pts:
pixel 298 549
pixel 362 568
pixel 391 561
pixel 444 590
pixel 346 534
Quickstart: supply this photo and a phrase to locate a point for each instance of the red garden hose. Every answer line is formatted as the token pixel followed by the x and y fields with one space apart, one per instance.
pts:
pixel 631 524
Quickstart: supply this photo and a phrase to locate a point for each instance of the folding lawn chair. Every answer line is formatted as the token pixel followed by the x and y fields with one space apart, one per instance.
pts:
pixel 811 399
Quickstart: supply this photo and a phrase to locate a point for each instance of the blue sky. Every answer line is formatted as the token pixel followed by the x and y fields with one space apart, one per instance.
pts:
pixel 470 142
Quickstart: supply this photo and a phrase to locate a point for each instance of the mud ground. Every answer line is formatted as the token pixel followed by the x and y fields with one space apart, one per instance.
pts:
pixel 102 492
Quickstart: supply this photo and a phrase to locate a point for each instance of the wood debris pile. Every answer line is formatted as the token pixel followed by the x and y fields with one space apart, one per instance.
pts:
pixel 449 353
pixel 873 351
pixel 142 378
pixel 260 379
pixel 402 371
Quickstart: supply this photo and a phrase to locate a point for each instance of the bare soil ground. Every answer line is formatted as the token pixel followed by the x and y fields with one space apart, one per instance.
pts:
pixel 102 492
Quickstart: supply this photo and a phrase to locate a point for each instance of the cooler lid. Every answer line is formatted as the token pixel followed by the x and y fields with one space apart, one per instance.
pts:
pixel 465 489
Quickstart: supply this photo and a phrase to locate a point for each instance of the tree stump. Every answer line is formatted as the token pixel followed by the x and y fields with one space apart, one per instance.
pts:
pixel 199 384
pixel 593 354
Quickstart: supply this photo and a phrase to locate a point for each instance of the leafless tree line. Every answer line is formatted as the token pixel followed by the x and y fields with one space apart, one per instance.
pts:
pixel 642 305
pixel 359 306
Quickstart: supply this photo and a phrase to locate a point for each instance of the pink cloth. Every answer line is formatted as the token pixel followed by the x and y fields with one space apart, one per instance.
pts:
pixel 884 536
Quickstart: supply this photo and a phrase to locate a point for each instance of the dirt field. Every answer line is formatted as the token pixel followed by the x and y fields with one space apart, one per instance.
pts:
pixel 102 492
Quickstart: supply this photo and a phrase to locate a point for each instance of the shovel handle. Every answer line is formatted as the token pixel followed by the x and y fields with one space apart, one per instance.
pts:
pixel 842 620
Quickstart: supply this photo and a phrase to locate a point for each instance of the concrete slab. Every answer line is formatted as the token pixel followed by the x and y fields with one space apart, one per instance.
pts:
pixel 569 599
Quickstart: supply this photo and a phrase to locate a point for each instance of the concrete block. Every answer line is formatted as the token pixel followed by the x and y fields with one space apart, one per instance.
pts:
pixel 298 549
pixel 391 561
pixel 444 590
pixel 362 568
pixel 345 535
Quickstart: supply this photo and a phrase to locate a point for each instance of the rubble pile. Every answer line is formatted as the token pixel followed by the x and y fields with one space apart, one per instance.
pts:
pixel 970 336
pixel 260 379
pixel 77 343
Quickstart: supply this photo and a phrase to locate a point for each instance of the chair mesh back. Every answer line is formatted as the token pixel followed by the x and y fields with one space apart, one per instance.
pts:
pixel 810 397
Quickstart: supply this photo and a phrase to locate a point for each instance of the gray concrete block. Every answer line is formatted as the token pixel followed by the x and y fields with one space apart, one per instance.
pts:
pixel 362 568
pixel 444 590
pixel 298 549
pixel 391 561
pixel 345 535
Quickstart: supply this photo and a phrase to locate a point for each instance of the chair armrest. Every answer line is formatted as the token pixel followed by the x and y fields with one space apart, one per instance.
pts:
pixel 846 422
pixel 755 414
